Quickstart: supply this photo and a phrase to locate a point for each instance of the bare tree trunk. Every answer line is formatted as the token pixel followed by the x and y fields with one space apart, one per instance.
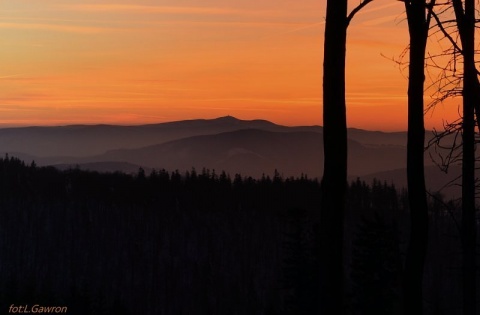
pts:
pixel 417 199
pixel 465 17
pixel 335 162
pixel 468 200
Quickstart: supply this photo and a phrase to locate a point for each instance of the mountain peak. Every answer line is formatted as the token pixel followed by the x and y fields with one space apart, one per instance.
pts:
pixel 256 123
pixel 227 118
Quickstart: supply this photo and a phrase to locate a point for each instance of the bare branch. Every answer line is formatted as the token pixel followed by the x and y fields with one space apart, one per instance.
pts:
pixel 355 11
pixel 445 33
pixel 430 12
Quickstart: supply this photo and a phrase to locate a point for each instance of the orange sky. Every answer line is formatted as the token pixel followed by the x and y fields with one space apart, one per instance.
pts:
pixel 146 61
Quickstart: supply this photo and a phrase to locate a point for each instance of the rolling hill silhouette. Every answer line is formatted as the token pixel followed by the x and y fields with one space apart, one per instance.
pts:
pixel 247 147
pixel 87 140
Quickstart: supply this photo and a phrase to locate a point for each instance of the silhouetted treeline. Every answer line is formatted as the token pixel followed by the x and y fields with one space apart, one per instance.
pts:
pixel 202 243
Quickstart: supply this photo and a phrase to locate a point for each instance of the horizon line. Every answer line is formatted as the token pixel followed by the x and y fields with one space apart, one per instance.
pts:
pixel 93 124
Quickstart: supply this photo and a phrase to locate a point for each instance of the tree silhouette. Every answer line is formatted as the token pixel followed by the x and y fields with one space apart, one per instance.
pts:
pixel 462 27
pixel 335 154
pixel 335 161
pixel 465 17
pixel 418 25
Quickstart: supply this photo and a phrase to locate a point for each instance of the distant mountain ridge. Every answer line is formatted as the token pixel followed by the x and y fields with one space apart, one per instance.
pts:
pixel 247 147
pixel 251 152
pixel 87 140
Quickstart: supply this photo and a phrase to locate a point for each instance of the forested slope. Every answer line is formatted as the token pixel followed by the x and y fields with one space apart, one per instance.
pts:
pixel 198 243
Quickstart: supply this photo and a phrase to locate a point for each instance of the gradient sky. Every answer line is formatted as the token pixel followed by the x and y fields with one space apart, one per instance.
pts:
pixel 147 61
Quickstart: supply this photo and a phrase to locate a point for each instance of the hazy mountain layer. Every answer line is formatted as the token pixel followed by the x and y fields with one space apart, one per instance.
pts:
pixel 87 140
pixel 251 148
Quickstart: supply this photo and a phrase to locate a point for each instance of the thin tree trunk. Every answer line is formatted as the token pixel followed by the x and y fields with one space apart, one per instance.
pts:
pixel 466 25
pixel 468 200
pixel 468 169
pixel 417 198
pixel 335 162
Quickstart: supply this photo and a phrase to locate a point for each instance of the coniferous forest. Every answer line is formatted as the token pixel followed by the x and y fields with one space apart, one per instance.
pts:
pixel 201 242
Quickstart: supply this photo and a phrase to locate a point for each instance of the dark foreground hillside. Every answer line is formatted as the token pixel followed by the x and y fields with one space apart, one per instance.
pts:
pixel 201 243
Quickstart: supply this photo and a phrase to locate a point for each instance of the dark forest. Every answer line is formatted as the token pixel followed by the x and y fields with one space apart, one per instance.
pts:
pixel 202 242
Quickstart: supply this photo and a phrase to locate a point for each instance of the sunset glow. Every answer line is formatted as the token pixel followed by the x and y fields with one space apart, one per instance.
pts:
pixel 146 61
